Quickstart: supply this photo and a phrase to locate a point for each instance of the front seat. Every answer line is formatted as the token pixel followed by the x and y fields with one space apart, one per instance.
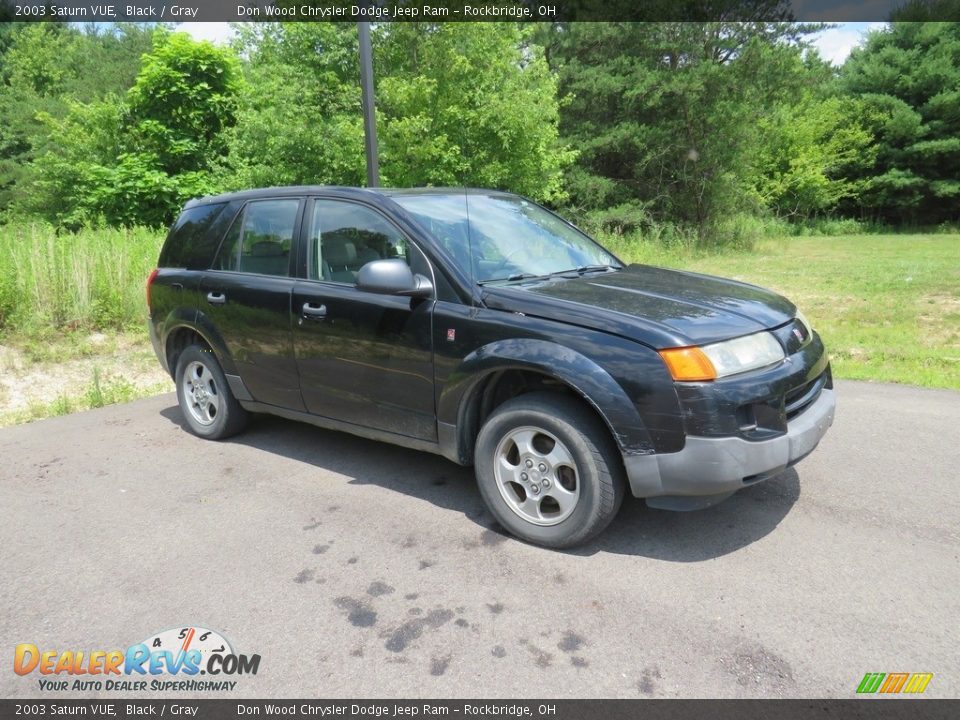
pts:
pixel 341 257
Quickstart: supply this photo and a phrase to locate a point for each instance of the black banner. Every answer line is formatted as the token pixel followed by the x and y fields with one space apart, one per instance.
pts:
pixel 477 11
pixel 867 709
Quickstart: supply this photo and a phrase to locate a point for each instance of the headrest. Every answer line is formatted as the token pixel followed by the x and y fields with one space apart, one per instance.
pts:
pixel 266 249
pixel 340 254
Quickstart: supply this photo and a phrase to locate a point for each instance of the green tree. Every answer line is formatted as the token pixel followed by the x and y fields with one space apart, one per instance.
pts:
pixel 299 119
pixel 35 70
pixel 927 10
pixel 457 103
pixel 183 99
pixel 908 78
pixel 136 160
pixel 46 67
pixel 811 146
pixel 667 116
pixel 468 104
pixel 811 149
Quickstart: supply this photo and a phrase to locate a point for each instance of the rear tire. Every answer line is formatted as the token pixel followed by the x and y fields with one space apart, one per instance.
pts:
pixel 208 406
pixel 548 470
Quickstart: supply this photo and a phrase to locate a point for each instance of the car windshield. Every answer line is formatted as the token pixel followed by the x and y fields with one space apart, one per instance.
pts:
pixel 504 238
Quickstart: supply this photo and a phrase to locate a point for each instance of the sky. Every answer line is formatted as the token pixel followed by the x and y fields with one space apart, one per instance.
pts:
pixel 834 44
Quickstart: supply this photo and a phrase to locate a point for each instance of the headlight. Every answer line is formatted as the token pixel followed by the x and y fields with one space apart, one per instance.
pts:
pixel 744 353
pixel 723 358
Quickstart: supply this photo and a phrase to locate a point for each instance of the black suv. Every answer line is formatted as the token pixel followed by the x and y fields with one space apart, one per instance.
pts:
pixel 480 326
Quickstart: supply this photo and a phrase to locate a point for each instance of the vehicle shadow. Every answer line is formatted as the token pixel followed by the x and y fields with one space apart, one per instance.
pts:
pixel 638 530
pixel 741 520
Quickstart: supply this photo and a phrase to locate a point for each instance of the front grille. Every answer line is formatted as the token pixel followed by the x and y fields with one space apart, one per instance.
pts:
pixel 799 399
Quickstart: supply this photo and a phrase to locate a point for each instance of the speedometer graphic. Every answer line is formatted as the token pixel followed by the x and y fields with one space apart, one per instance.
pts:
pixel 190 638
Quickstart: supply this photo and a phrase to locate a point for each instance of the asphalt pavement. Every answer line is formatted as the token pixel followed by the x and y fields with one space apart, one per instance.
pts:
pixel 359 569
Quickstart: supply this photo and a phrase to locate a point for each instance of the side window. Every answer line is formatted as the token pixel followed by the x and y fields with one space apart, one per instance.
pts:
pixel 229 256
pixel 345 236
pixel 260 239
pixel 191 243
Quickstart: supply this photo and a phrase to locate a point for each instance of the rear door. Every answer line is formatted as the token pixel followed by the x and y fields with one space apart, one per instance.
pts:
pixel 246 297
pixel 363 358
pixel 186 253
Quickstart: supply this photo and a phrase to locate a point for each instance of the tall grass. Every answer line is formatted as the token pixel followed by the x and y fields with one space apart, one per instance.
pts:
pixel 665 243
pixel 668 244
pixel 92 279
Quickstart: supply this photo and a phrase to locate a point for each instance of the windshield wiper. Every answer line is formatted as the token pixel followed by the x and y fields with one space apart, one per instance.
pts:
pixel 571 273
pixel 582 270
pixel 511 278
pixel 598 268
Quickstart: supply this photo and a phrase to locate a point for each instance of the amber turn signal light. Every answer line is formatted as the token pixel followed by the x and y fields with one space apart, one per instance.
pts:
pixel 688 364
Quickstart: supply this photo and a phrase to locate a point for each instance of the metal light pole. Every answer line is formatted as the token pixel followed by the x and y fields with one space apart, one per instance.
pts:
pixel 369 117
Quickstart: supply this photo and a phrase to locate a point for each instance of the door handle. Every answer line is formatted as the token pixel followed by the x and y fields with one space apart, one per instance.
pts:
pixel 216 298
pixel 314 311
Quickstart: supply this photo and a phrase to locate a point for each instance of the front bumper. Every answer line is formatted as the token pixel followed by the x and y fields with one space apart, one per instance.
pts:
pixel 711 469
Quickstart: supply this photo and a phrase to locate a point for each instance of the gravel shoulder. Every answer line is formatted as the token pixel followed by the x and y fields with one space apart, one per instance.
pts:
pixel 40 379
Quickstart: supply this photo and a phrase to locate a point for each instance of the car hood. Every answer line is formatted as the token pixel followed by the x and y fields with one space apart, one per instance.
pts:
pixel 656 306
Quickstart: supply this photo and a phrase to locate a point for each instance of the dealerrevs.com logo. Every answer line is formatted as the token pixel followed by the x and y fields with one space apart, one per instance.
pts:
pixel 166 661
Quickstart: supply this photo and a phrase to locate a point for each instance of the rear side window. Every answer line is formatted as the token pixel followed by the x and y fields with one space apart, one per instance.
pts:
pixel 190 243
pixel 259 241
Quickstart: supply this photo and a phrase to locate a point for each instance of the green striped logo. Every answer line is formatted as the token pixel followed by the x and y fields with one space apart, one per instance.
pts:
pixel 894 683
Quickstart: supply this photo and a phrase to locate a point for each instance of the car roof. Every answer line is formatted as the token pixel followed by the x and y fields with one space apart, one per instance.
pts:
pixel 341 191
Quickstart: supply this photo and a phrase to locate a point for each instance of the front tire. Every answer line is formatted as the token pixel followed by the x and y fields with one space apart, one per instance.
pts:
pixel 548 470
pixel 206 402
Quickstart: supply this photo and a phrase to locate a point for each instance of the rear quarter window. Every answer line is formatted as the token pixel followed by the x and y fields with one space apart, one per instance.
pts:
pixel 194 237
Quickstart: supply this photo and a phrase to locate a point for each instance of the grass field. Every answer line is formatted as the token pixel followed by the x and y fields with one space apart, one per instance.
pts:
pixel 91 280
pixel 72 320
pixel 72 316
pixel 887 306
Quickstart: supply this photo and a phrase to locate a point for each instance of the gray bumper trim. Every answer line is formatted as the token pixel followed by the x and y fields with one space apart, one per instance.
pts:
pixel 709 470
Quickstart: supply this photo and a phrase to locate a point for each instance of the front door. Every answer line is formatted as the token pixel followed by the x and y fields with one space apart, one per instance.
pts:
pixel 363 358
pixel 246 296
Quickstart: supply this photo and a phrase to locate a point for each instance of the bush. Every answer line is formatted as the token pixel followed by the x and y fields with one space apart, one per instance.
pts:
pixel 833 226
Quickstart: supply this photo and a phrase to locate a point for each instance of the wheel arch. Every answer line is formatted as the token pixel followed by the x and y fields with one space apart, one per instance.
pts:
pixel 504 369
pixel 183 332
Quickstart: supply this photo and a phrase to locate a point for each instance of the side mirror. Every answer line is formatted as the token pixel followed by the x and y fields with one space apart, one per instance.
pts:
pixel 392 277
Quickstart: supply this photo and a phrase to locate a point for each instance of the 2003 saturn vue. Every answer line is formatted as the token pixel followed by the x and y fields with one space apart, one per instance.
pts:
pixel 480 326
